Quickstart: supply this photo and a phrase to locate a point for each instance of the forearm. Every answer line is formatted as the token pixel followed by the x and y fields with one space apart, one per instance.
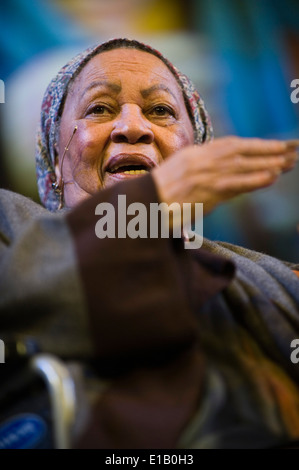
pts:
pixel 141 295
pixel 59 281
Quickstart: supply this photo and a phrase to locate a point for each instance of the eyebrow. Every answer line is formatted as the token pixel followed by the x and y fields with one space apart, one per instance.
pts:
pixel 117 88
pixel 102 83
pixel 145 93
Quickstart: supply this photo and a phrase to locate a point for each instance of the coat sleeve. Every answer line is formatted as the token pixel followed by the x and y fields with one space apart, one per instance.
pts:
pixel 41 295
pixel 140 294
pixel 111 298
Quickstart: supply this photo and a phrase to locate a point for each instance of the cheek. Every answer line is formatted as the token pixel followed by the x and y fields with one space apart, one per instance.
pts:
pixel 171 140
pixel 86 153
pixel 91 140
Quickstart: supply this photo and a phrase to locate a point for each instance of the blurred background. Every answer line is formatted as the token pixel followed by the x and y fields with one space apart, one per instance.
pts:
pixel 242 57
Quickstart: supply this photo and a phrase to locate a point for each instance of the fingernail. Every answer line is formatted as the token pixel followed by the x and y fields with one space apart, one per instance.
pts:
pixel 292 143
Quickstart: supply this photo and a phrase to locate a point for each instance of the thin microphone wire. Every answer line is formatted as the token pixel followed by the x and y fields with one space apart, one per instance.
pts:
pixel 60 184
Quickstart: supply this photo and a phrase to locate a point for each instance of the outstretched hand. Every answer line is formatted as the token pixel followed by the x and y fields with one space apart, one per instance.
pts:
pixel 215 172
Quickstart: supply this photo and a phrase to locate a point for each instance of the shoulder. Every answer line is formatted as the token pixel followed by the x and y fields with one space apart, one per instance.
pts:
pixel 18 206
pixel 16 210
pixel 261 270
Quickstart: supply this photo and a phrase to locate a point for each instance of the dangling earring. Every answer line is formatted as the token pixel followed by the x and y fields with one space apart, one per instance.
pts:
pixel 58 190
pixel 58 186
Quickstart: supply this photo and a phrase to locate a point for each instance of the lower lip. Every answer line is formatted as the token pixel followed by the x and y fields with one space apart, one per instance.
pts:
pixel 122 175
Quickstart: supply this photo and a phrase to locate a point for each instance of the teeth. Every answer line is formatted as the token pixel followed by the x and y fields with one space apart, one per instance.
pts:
pixel 134 172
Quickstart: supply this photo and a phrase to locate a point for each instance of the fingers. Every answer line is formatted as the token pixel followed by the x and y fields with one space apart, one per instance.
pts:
pixel 234 185
pixel 292 144
pixel 250 146
pixel 238 155
pixel 231 186
pixel 251 174
pixel 245 164
pixel 254 147
pixel 291 160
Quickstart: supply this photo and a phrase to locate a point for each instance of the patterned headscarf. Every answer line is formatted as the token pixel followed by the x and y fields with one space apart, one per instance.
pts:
pixel 54 99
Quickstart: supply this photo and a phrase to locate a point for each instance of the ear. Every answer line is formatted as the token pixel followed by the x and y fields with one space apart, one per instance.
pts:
pixel 57 166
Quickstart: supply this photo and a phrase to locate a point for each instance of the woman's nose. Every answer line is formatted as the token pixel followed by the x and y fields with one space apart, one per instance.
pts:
pixel 132 127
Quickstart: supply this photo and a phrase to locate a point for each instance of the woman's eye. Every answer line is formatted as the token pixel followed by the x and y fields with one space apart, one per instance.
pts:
pixel 161 111
pixel 99 109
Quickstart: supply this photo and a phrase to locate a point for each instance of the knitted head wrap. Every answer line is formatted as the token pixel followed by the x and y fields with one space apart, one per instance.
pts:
pixel 54 99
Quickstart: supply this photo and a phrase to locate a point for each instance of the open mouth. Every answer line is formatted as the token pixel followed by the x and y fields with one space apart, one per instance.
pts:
pixel 129 164
pixel 130 170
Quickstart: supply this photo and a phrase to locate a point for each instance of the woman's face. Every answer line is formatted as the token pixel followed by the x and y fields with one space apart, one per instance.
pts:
pixel 130 114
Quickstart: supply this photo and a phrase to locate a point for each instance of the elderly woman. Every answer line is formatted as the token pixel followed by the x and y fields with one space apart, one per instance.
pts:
pixel 196 344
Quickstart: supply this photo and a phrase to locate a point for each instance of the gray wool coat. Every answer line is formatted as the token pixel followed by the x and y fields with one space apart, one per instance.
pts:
pixel 196 344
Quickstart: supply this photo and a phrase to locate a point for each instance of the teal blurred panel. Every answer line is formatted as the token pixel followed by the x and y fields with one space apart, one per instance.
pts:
pixel 28 28
pixel 249 38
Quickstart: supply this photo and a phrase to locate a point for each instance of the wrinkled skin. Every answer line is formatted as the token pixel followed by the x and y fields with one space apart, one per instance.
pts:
pixel 128 107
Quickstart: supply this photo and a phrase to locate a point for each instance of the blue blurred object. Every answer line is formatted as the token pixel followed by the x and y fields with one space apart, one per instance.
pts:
pixel 250 38
pixel 28 28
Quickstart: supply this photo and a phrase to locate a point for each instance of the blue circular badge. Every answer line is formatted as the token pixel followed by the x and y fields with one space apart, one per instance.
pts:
pixel 22 431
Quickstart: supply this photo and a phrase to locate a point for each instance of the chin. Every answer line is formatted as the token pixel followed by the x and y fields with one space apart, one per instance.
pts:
pixel 110 180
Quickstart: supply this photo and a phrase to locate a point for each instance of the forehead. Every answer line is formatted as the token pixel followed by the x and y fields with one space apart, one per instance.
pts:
pixel 121 65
